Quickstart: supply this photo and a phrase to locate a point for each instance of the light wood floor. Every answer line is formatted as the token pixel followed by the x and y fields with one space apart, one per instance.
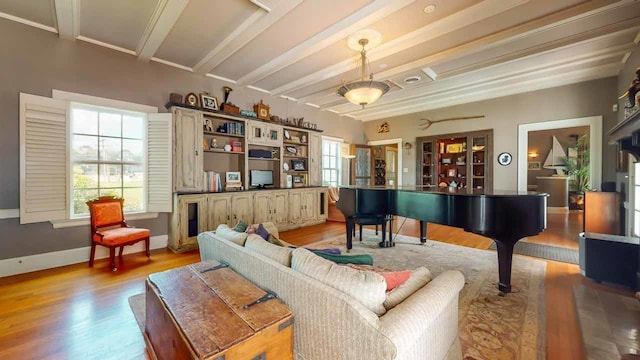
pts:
pixel 75 312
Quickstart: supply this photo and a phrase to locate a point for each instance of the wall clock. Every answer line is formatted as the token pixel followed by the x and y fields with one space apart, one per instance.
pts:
pixel 504 159
pixel 191 99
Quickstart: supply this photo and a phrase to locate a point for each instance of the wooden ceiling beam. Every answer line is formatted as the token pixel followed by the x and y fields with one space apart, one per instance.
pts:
pixel 165 16
pixel 68 18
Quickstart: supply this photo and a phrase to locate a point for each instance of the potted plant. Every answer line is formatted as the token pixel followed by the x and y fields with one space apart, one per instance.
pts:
pixel 579 171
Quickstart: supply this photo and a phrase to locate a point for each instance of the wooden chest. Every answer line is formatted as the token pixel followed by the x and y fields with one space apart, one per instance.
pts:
pixel 199 312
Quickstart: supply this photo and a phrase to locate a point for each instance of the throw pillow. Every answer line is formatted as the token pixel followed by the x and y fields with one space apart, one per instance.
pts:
pixel 334 251
pixel 271 228
pixel 393 278
pixel 240 227
pixel 274 240
pixel 226 233
pixel 279 254
pixel 262 232
pixel 363 259
pixel 366 287
pixel 419 278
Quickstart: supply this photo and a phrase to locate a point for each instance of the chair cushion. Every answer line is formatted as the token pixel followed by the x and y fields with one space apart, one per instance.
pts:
pixel 121 235
pixel 107 213
pixel 273 252
pixel 367 287
pixel 226 233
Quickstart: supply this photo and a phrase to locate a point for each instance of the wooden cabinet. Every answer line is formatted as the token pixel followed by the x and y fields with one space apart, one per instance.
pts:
pixel 189 220
pixel 271 207
pixel 315 159
pixel 308 205
pixel 187 150
pixel 462 160
pixel 361 174
pixel 262 133
pixel 241 208
pixel 295 207
pixel 219 207
pixel 280 203
pixel 263 203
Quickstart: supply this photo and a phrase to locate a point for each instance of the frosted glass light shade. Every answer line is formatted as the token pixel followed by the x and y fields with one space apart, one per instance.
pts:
pixel 363 92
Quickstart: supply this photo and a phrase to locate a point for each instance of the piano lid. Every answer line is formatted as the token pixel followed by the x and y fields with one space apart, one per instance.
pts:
pixel 447 190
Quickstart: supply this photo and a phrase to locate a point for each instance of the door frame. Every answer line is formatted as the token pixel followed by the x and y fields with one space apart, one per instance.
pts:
pixel 595 146
pixel 397 141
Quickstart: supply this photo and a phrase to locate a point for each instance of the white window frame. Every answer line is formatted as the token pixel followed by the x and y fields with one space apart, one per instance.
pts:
pixel 338 142
pixel 71 97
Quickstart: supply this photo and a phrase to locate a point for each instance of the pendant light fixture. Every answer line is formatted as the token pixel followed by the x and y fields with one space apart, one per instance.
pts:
pixel 365 90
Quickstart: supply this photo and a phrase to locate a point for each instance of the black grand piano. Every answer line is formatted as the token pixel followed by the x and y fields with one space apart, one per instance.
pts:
pixel 505 217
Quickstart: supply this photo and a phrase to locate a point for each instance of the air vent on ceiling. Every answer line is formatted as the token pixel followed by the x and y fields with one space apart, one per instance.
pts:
pixel 412 80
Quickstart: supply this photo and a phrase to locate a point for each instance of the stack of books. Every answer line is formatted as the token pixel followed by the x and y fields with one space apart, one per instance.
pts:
pixel 212 182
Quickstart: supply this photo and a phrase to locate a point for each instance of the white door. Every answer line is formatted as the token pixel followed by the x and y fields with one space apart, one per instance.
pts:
pixel 187 150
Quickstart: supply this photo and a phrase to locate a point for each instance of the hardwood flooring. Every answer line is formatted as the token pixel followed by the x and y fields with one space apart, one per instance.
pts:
pixel 77 312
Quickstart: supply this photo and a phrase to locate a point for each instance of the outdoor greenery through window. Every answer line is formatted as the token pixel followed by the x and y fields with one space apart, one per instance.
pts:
pixel 330 163
pixel 108 157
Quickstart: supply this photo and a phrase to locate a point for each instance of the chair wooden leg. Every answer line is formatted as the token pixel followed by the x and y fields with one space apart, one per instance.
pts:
pixel 147 244
pixel 121 250
pixel 93 254
pixel 112 258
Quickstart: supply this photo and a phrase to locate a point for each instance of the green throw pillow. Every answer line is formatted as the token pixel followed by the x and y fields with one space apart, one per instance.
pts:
pixel 363 259
pixel 241 227
pixel 274 240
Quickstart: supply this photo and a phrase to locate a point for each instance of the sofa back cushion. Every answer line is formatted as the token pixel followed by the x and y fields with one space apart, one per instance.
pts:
pixel 419 278
pixel 366 287
pixel 274 252
pixel 229 234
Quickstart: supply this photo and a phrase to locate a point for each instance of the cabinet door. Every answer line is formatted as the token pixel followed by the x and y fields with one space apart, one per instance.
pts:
pixel 279 208
pixel 315 159
pixel 309 208
pixel 192 220
pixel 219 210
pixel 295 207
pixel 262 207
pixel 187 150
pixel 257 132
pixel 274 135
pixel 241 208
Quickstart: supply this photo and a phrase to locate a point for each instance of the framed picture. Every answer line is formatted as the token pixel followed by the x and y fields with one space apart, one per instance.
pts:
pixel 232 176
pixel 207 126
pixel 452 173
pixel 533 165
pixel 454 148
pixel 298 165
pixel 209 102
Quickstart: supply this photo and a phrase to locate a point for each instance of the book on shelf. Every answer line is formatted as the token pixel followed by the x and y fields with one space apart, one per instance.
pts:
pixel 212 181
pixel 233 128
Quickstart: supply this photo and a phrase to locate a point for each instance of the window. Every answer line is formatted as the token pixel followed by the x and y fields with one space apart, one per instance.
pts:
pixel 636 202
pixel 107 157
pixel 331 162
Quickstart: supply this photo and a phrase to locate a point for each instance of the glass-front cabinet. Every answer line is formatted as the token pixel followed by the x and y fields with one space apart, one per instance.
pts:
pixel 459 160
pixel 361 174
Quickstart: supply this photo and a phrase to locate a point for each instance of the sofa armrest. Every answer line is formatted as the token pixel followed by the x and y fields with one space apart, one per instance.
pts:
pixel 426 323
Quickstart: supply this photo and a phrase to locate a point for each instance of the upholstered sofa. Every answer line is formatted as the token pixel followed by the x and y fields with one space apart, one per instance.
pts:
pixel 332 324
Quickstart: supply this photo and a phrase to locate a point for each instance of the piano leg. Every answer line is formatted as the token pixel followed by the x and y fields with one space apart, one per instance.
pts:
pixel 351 229
pixel 423 232
pixel 505 256
pixel 387 243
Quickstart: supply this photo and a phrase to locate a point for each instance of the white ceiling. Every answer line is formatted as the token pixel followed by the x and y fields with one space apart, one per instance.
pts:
pixel 475 49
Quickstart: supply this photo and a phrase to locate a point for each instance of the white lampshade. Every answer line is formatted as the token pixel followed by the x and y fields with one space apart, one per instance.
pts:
pixel 363 92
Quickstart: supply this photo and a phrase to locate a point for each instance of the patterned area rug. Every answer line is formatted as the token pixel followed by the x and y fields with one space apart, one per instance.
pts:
pixel 549 252
pixel 491 326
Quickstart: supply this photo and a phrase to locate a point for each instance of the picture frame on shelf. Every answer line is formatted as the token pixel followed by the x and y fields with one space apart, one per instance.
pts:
pixel 233 179
pixel 208 102
pixel 452 172
pixel 533 165
pixel 299 165
pixel 207 126
pixel 454 148
pixel 299 180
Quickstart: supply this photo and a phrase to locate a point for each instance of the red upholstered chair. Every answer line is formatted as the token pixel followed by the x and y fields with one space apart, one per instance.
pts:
pixel 109 229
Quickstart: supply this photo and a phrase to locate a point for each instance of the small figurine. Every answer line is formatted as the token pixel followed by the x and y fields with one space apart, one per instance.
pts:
pixel 214 143
pixel 453 184
pixel 303 139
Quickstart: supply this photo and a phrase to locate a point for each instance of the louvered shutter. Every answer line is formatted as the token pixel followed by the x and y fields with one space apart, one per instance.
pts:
pixel 43 159
pixel 159 196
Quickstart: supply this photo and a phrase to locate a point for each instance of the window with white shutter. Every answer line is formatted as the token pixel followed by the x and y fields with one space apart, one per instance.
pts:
pixel 159 135
pixel 43 159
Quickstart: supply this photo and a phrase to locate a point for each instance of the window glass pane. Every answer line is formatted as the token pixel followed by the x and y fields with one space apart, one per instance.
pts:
pixel 636 167
pixel 326 174
pixel 133 199
pixel 334 176
pixel 133 176
pixel 325 148
pixel 85 121
pixel 636 223
pixel 132 127
pixel 116 192
pixel 85 176
pixel 84 148
pixel 325 161
pixel 333 163
pixel 110 176
pixel 110 124
pixel 132 150
pixel 80 198
pixel 332 150
pixel 110 149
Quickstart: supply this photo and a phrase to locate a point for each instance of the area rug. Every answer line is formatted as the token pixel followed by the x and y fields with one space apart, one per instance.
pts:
pixel 491 326
pixel 548 252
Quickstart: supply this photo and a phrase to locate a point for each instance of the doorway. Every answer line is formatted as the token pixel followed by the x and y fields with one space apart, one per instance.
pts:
pixel 390 152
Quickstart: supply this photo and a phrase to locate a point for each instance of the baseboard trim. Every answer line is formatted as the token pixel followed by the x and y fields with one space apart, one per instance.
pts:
pixel 9 213
pixel 25 264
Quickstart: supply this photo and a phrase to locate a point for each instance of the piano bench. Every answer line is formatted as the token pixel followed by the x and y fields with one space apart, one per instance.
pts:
pixel 375 220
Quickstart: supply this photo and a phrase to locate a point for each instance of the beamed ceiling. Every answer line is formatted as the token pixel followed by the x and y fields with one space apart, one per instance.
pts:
pixel 464 51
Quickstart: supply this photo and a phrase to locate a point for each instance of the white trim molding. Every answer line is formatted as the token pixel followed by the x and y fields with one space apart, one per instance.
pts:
pixel 100 101
pixel 9 213
pixel 595 145
pixel 25 264
pixel 61 224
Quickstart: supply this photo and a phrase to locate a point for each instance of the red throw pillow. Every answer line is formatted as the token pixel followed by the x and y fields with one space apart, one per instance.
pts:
pixel 395 278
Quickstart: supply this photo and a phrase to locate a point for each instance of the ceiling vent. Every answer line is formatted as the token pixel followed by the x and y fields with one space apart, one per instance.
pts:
pixel 412 80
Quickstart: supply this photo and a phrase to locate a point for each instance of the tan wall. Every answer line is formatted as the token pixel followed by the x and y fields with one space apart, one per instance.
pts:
pixel 503 115
pixel 35 61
